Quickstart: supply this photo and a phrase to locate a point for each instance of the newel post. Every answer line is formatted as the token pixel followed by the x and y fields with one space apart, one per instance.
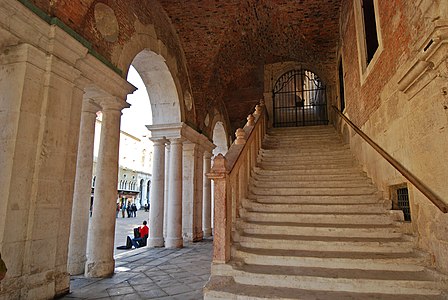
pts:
pixel 222 210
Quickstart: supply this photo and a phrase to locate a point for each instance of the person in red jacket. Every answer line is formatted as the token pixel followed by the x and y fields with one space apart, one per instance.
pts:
pixel 140 241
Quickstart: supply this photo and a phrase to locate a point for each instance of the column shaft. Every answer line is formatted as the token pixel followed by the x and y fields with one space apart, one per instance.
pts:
pixel 81 195
pixel 174 222
pixel 100 246
pixel 167 176
pixel 156 209
pixel 206 198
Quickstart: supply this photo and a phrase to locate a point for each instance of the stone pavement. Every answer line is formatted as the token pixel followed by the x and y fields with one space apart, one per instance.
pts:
pixel 148 273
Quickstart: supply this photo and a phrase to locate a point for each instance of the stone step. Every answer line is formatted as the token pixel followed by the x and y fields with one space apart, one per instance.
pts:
pixel 313 208
pixel 321 191
pixel 325 243
pixel 305 164
pixel 288 183
pixel 342 280
pixel 397 261
pixel 265 175
pixel 307 153
pixel 318 218
pixel 331 230
pixel 342 199
pixel 299 148
pixel 307 171
pixel 225 287
pixel 302 142
pixel 307 159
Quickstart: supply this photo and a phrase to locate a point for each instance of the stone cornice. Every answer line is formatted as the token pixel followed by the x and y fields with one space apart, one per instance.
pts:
pixel 104 81
pixel 180 130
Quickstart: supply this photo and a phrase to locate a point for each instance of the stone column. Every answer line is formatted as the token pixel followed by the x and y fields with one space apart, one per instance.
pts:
pixel 157 192
pixel 206 197
pixel 174 222
pixel 167 176
pixel 100 246
pixel 81 195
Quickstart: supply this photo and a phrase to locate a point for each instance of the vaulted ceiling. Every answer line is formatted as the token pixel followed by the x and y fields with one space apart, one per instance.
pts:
pixel 228 42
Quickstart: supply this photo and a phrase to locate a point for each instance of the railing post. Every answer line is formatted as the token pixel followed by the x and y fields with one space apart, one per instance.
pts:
pixel 222 210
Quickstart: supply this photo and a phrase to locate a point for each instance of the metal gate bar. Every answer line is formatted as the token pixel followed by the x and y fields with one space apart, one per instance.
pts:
pixel 299 99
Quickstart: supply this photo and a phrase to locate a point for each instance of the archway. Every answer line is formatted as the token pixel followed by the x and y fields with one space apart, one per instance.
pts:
pixel 299 99
pixel 160 86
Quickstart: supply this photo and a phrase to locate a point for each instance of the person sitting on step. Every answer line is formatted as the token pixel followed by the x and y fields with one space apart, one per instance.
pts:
pixel 141 240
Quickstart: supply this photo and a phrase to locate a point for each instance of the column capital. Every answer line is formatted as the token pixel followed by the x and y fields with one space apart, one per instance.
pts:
pixel 112 103
pixel 159 141
pixel 90 106
pixel 176 140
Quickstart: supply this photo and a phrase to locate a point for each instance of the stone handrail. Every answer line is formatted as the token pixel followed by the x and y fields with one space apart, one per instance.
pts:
pixel 230 174
pixel 398 166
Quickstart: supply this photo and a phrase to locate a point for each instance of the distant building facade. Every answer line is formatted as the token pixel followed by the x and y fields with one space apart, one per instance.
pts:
pixel 135 163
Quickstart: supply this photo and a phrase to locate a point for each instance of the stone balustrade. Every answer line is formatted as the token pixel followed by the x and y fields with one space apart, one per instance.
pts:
pixel 230 174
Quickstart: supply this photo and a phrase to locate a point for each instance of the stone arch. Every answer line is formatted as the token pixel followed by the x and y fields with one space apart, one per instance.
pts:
pixel 289 66
pixel 160 85
pixel 145 47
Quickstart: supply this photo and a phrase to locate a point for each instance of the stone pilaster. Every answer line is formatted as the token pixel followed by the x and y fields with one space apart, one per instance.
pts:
pixel 192 192
pixel 82 190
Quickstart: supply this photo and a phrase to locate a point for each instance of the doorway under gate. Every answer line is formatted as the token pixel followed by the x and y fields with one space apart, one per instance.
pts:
pixel 299 99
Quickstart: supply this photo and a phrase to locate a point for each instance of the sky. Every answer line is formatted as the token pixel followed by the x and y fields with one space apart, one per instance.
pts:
pixel 135 118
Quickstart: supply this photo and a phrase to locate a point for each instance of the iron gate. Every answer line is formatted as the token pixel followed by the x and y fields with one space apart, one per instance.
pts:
pixel 299 99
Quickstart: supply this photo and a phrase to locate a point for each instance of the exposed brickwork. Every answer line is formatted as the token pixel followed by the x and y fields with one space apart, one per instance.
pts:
pixel 226 43
pixel 361 101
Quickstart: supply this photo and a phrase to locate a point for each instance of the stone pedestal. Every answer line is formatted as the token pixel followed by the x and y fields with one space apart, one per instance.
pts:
pixel 82 190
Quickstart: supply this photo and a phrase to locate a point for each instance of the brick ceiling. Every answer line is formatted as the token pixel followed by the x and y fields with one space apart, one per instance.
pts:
pixel 227 42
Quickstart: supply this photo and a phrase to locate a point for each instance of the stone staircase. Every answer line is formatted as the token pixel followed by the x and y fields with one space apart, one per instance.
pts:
pixel 315 227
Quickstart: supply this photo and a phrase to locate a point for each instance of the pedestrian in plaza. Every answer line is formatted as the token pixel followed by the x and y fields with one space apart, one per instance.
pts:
pixel 129 210
pixel 118 209
pixel 123 209
pixel 134 210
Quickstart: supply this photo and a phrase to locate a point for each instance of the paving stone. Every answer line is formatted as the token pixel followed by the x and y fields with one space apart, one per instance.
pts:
pixel 177 289
pixel 120 291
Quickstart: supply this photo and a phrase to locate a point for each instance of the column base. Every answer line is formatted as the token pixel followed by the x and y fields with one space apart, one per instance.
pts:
pixel 207 232
pixel 99 269
pixel 174 243
pixel 155 242
pixel 77 268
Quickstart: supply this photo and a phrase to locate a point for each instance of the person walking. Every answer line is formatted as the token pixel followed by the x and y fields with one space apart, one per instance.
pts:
pixel 123 209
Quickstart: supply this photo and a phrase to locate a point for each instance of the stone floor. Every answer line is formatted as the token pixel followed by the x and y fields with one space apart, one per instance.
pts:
pixel 149 273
